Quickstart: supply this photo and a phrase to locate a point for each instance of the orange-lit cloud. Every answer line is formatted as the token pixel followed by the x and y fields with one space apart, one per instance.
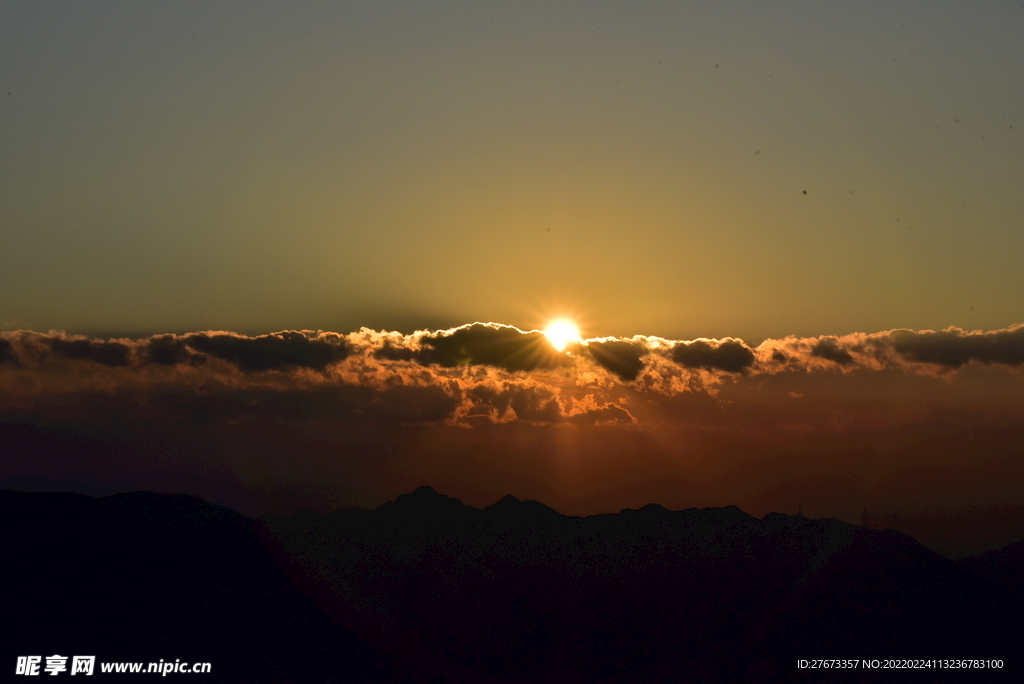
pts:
pixel 484 371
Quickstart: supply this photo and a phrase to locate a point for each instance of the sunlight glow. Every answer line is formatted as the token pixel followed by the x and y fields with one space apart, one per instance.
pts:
pixel 561 332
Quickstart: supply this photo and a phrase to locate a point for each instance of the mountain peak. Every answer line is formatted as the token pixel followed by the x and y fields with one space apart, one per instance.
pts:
pixel 506 502
pixel 425 499
pixel 425 490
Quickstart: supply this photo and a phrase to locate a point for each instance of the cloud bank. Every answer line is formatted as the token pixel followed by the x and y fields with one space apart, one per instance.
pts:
pixel 482 372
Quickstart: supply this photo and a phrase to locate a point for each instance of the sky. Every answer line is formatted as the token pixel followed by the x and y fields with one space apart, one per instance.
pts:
pixel 181 184
pixel 264 166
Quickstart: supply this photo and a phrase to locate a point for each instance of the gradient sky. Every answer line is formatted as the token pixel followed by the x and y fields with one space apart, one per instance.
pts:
pixel 263 166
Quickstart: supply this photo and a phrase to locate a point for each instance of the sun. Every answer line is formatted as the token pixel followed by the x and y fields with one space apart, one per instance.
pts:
pixel 561 332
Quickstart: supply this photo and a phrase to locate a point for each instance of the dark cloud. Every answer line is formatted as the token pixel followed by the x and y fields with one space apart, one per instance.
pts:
pixel 620 357
pixel 536 405
pixel 390 351
pixel 7 352
pixel 169 350
pixel 278 351
pixel 731 356
pixel 492 345
pixel 953 348
pixel 828 348
pixel 911 351
pixel 107 353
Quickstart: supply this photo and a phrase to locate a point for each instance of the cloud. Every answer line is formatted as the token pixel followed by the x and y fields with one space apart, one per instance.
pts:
pixel 618 356
pixel 489 344
pixel 170 350
pixel 952 348
pixel 80 348
pixel 6 352
pixel 588 411
pixel 731 356
pixel 482 372
pixel 535 402
pixel 277 351
pixel 829 348
pixel 912 351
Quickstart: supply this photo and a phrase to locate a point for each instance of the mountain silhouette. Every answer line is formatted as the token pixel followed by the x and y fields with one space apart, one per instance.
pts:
pixel 427 589
pixel 144 576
